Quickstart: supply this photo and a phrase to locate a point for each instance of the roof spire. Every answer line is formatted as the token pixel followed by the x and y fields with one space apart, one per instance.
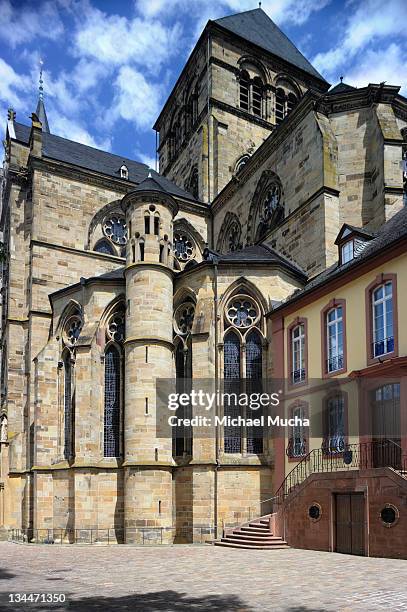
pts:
pixel 40 112
pixel 341 78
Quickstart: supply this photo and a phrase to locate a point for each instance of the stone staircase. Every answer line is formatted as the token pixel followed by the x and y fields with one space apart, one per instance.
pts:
pixel 254 535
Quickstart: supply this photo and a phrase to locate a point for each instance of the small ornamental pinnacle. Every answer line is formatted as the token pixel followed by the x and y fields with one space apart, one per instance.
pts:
pixel 11 114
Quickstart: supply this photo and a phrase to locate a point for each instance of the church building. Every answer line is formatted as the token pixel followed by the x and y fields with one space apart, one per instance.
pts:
pixel 272 243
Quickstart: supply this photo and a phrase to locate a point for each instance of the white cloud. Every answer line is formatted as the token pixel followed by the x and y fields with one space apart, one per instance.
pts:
pixel 145 158
pixel 281 11
pixel 74 130
pixel 386 64
pixel 116 40
pixel 20 25
pixel 136 99
pixel 13 86
pixel 371 21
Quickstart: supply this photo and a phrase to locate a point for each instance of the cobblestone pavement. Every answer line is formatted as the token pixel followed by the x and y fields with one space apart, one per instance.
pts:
pixel 200 579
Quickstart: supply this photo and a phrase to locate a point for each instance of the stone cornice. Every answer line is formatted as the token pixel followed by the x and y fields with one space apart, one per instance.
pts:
pixel 84 252
pixel 153 265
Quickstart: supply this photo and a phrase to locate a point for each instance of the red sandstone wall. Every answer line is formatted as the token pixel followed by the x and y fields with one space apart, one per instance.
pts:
pixel 379 486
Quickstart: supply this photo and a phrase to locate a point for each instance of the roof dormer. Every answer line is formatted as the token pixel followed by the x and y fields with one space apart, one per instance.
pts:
pixel 351 241
pixel 124 172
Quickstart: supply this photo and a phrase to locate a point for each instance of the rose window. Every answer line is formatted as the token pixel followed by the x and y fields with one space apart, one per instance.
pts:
pixel 115 328
pixel 271 201
pixel 184 317
pixel 242 312
pixel 183 247
pixel 73 329
pixel 115 228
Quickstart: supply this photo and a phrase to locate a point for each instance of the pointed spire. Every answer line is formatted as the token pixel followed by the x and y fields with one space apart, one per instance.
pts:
pixel 40 111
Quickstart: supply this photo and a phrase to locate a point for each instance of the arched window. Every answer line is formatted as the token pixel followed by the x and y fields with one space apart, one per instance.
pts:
pixel 230 234
pixel 115 229
pixel 267 207
pixel 184 248
pixel 242 370
pixel 104 246
pixel 280 105
pixel 334 423
pixel 257 96
pixel 192 184
pixel 253 376
pixel 112 402
pixel 69 408
pixel 114 376
pixel 244 83
pixel 291 102
pixel 298 354
pixel 182 322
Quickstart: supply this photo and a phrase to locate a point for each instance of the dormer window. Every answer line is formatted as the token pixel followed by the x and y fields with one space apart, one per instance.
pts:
pixel 347 252
pixel 124 172
pixel 351 242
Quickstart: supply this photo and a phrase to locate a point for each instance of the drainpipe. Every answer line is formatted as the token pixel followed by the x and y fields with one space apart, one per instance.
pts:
pixel 217 445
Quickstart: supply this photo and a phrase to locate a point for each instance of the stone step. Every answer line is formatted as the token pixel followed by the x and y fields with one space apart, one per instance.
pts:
pixel 254 530
pixel 256 543
pixel 250 546
pixel 254 536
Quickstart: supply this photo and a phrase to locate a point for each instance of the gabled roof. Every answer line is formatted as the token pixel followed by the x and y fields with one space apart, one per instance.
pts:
pixel 351 230
pixel 257 27
pixel 255 254
pixel 83 156
pixel 389 235
pixel 341 88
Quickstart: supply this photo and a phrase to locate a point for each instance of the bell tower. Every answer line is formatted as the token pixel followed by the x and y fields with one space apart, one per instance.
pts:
pixel 148 349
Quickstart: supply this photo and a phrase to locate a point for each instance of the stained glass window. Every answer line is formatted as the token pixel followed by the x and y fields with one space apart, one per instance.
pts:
pixel 112 402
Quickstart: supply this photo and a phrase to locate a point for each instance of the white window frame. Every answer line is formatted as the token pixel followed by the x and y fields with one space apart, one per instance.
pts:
pixel 383 301
pixel 298 349
pixel 345 248
pixel 334 324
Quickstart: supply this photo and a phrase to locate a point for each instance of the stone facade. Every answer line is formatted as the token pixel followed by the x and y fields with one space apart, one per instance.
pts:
pixel 90 252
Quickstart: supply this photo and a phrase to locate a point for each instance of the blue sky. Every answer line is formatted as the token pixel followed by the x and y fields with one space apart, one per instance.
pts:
pixel 110 65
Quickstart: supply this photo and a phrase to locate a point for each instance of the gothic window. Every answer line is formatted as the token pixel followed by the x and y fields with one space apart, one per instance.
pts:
pixel 112 402
pixel 183 321
pixel 243 365
pixel 267 210
pixel 69 408
pixel 114 376
pixel 115 229
pixel 105 246
pixel 72 329
pixel 230 234
pixel 183 247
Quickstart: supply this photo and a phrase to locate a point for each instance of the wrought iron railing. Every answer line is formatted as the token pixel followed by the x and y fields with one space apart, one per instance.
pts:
pixel 362 456
pixel 296 448
pixel 381 347
pixel 334 363
pixel 142 536
pixel 298 376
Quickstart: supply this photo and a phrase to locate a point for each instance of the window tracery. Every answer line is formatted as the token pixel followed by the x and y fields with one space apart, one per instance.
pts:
pixel 230 234
pixel 72 329
pixel 115 229
pixel 242 367
pixel 183 247
pixel 267 208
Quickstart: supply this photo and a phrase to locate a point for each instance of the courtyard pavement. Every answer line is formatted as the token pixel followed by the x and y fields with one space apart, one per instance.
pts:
pixel 199 579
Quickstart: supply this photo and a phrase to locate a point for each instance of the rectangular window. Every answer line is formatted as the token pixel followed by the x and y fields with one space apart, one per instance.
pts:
pixel 334 439
pixel 334 323
pixel 382 305
pixel 298 354
pixel 347 252
pixel 297 446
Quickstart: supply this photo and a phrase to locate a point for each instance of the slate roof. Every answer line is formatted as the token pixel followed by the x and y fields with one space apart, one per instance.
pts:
pixel 390 233
pixel 259 253
pixel 341 88
pixel 42 116
pixel 83 156
pixel 257 27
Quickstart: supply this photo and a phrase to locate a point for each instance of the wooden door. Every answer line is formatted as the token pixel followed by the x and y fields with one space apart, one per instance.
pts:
pixel 350 523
